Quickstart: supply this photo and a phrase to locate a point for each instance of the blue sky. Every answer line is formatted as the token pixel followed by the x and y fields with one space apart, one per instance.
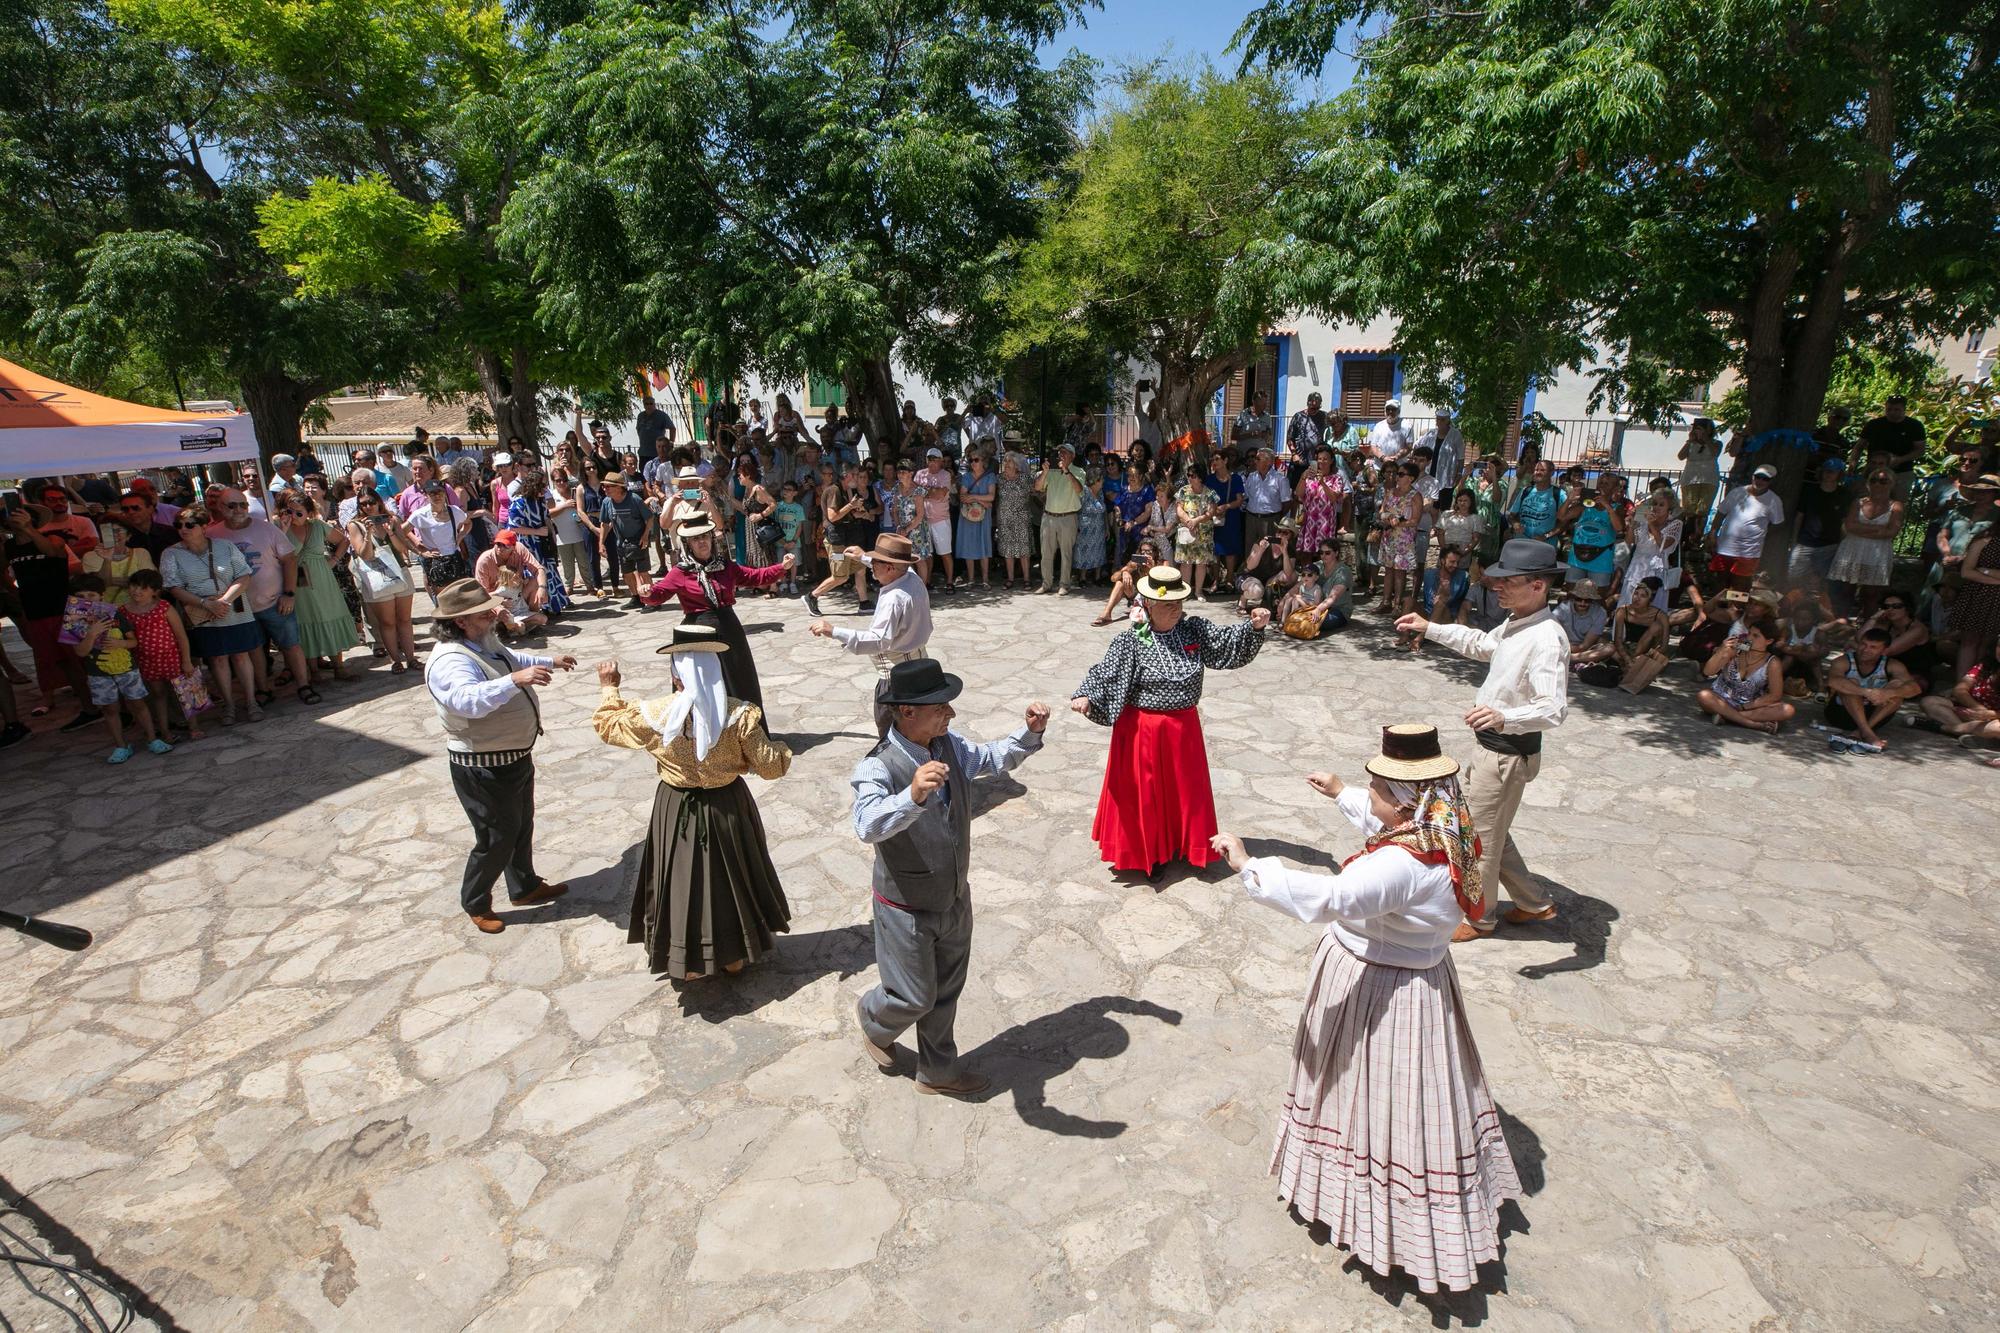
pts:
pixel 1132 30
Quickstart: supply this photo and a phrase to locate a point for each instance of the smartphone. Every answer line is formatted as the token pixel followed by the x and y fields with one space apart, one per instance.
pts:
pixel 691 495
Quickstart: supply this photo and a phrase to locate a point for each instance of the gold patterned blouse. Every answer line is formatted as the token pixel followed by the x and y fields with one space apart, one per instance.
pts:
pixel 743 747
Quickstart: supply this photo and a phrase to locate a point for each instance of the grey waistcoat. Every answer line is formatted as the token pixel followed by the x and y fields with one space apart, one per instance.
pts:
pixel 924 866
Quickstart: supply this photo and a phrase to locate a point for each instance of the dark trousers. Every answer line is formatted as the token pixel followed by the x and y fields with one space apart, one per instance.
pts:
pixel 1256 527
pixel 500 802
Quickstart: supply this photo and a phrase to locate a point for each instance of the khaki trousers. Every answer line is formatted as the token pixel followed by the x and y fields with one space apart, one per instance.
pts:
pixel 1058 543
pixel 1493 787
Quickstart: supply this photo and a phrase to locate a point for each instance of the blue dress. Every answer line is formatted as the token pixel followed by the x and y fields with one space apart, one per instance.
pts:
pixel 525 513
pixel 974 541
pixel 1091 535
pixel 1133 502
pixel 1229 532
pixel 739 534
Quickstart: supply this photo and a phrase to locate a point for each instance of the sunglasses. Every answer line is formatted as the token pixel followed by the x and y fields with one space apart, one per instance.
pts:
pixel 187 525
pixel 1895 606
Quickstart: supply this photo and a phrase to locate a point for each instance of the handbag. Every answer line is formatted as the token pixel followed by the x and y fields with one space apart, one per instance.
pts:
pixel 199 614
pixel 192 692
pixel 1304 623
pixel 381 577
pixel 1643 671
pixel 768 535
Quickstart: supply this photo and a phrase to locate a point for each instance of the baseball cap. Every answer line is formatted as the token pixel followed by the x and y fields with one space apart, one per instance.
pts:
pixel 1393 405
pixel 933 453
pixel 1767 472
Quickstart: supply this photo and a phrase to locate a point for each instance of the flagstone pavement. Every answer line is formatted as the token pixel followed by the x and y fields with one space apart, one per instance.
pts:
pixel 1748 1076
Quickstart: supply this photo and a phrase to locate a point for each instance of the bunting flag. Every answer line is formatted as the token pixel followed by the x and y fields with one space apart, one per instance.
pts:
pixel 1198 438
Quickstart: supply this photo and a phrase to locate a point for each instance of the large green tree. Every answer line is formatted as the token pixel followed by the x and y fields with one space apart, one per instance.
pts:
pixel 1677 186
pixel 407 112
pixel 128 252
pixel 1160 251
pixel 792 187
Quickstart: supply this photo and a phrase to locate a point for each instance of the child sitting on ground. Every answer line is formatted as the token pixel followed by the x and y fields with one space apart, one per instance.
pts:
pixel 106 646
pixel 1802 652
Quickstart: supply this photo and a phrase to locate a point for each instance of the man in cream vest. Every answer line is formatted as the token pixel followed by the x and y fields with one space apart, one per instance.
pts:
pixel 913 805
pixel 485 694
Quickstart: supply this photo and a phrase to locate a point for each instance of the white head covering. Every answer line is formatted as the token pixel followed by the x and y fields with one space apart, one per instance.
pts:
pixel 701 697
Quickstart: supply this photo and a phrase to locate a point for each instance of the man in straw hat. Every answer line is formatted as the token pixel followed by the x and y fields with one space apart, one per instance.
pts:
pixel 1383 1055
pixel 902 625
pixel 485 693
pixel 1525 693
pixel 913 805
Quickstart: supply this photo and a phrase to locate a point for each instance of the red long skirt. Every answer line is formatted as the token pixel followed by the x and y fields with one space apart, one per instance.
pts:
pixel 1156 805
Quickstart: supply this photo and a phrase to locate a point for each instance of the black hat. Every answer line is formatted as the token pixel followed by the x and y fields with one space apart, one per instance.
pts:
pixel 693 638
pixel 921 681
pixel 1524 557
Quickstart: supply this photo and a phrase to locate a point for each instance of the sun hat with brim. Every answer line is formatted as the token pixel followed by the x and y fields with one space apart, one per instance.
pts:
pixel 1523 556
pixel 919 682
pixel 894 546
pixel 688 474
pixel 1411 753
pixel 1163 583
pixel 695 527
pixel 694 639
pixel 1583 590
pixel 465 598
pixel 614 479
pixel 1988 482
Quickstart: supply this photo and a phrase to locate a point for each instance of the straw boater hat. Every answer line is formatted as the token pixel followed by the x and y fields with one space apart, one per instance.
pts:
pixel 894 546
pixel 1163 583
pixel 1411 753
pixel 465 598
pixel 698 526
pixel 694 639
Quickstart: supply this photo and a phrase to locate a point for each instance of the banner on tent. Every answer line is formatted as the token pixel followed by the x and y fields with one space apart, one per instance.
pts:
pixel 206 441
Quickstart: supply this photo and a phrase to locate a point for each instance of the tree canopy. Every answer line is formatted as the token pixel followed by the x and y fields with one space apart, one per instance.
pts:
pixel 1679 186
pixel 791 187
pixel 1158 251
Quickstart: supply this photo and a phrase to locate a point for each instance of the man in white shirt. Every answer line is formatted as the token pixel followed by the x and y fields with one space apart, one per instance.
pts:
pixel 1743 518
pixel 1526 692
pixel 485 696
pixel 902 625
pixel 1447 445
pixel 1391 439
pixel 1267 494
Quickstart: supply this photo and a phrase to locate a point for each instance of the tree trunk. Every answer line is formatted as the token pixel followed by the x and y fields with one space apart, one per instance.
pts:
pixel 277 405
pixel 510 395
pixel 1187 390
pixel 871 400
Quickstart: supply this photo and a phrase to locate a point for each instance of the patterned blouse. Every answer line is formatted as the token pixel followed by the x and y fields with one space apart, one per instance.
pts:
pixel 1163 673
pixel 743 747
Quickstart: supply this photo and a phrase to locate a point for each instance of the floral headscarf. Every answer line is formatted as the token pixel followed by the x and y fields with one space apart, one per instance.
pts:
pixel 1438 832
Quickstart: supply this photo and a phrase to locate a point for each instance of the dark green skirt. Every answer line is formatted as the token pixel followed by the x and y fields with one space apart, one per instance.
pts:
pixel 708 895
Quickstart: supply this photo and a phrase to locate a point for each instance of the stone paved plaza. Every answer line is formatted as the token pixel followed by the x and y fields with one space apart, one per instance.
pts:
pixel 1749 1075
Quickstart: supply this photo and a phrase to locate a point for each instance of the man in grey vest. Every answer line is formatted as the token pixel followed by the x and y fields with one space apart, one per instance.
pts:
pixel 913 805
pixel 485 694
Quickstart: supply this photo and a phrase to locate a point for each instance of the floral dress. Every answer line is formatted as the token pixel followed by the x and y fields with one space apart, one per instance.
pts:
pixel 525 513
pixel 1012 530
pixel 1194 537
pixel 1091 533
pixel 1319 509
pixel 904 509
pixel 1399 545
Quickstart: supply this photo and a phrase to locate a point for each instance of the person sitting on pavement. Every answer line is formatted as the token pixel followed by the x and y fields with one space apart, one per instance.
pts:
pixel 1866 688
pixel 1971 711
pixel 1747 679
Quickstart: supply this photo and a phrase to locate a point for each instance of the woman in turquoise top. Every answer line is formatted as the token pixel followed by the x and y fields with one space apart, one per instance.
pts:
pixel 1593 547
pixel 1534 507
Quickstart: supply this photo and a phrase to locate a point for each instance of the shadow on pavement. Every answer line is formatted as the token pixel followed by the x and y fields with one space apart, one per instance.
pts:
pixel 1470 1308
pixel 1025 1059
pixel 1581 921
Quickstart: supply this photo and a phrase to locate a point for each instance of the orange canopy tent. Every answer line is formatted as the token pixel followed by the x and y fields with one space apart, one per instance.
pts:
pixel 50 428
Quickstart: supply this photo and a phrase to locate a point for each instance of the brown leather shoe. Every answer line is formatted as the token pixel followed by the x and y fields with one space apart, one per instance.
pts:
pixel 487 922
pixel 542 893
pixel 965 1085
pixel 884 1056
pixel 1516 917
pixel 1467 931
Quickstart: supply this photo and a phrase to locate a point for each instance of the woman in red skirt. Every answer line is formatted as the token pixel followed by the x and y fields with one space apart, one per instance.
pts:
pixel 1156 806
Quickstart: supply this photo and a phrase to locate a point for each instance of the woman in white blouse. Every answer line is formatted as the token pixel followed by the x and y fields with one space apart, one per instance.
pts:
pixel 1388 1133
